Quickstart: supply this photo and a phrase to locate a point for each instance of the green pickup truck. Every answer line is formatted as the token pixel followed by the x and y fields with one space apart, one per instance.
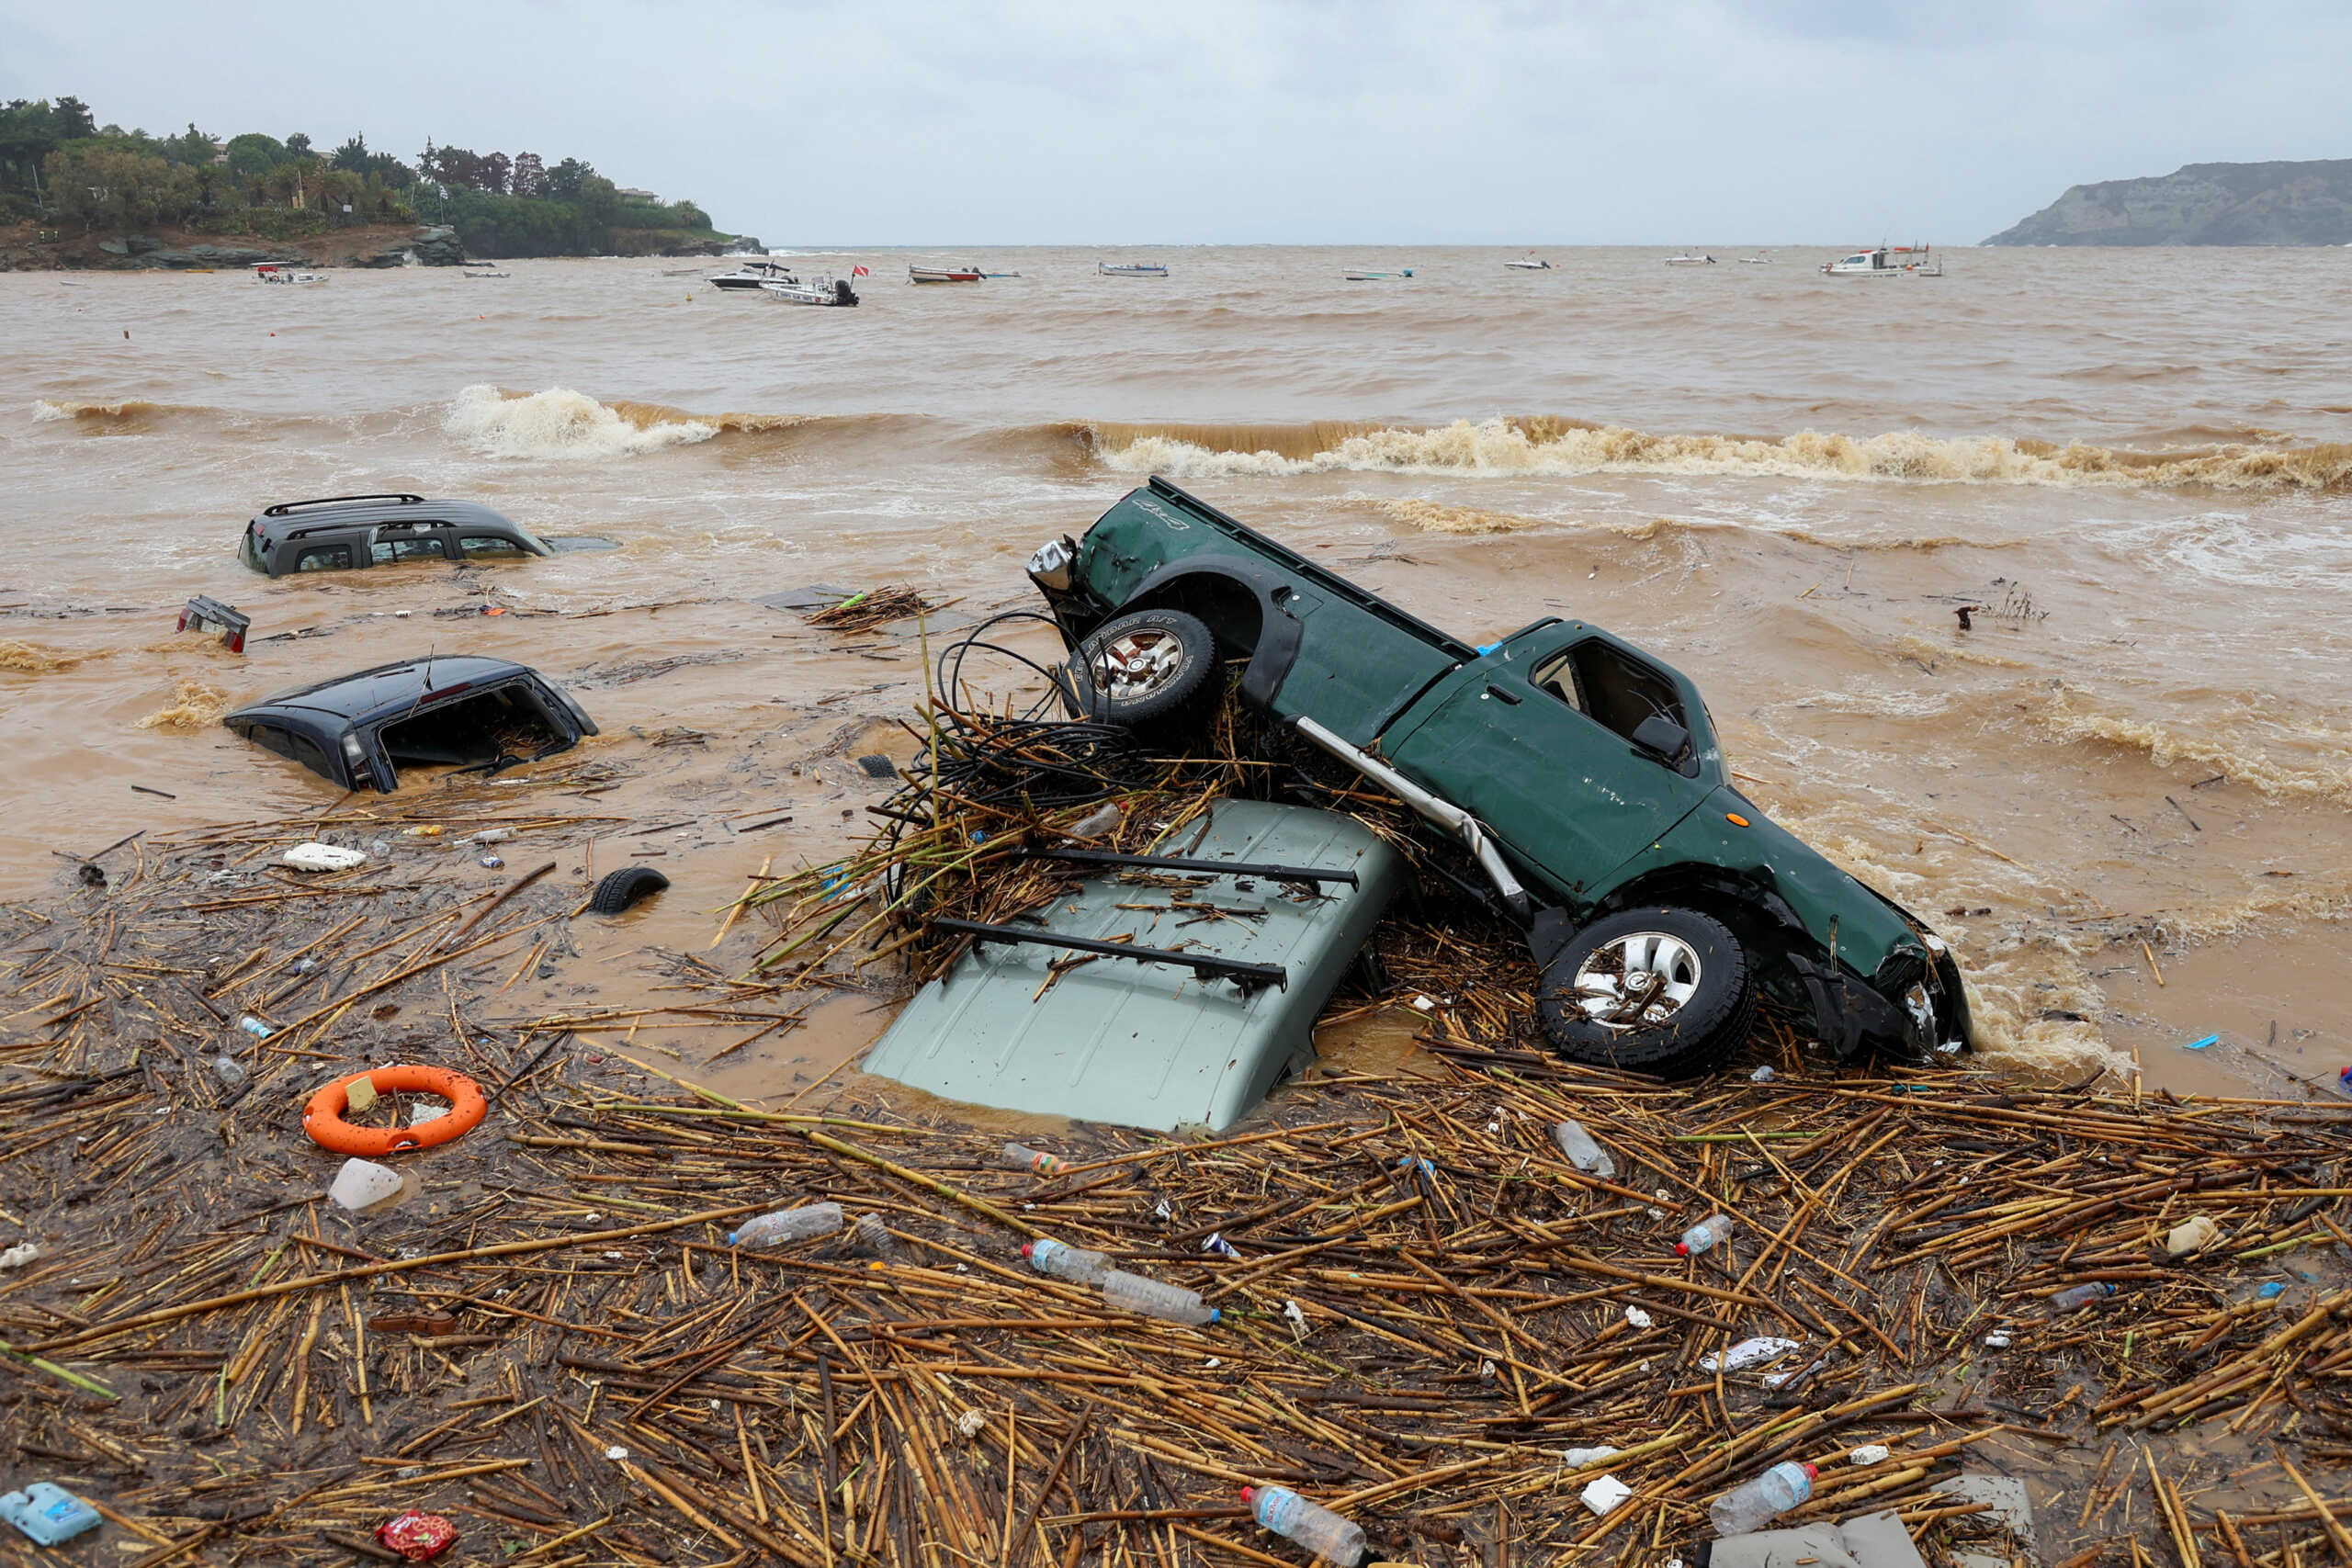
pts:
pixel 1580 775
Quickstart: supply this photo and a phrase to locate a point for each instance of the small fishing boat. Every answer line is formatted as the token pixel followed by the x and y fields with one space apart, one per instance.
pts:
pixel 751 276
pixel 816 289
pixel 490 274
pixel 1131 269
pixel 1761 258
pixel 944 275
pixel 1687 259
pixel 280 272
pixel 1530 263
pixel 1888 261
pixel 999 275
pixel 1362 275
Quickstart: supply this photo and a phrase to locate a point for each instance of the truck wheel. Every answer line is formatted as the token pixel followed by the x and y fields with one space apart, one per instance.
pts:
pixel 1154 670
pixel 1659 989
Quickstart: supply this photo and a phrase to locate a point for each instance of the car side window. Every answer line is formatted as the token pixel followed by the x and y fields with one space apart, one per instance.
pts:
pixel 324 558
pixel 1608 686
pixel 387 551
pixel 484 547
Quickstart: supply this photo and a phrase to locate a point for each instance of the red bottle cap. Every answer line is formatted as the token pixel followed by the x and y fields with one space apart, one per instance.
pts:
pixel 1812 1472
pixel 1025 1248
pixel 1681 1249
pixel 1249 1494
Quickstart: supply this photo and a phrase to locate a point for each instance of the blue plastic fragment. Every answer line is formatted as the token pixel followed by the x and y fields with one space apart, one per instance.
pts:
pixel 2272 1291
pixel 1486 647
pixel 2201 1045
pixel 48 1513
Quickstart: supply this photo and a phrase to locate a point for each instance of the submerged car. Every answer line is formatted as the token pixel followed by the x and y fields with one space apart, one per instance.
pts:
pixel 359 730
pixel 340 532
pixel 1581 774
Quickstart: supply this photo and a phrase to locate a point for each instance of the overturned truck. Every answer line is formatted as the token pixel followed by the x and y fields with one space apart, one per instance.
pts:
pixel 1581 774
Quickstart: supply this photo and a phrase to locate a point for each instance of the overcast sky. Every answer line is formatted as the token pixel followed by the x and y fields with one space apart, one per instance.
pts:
pixel 1017 121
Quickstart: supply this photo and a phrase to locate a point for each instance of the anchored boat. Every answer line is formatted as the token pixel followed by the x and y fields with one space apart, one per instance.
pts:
pixel 1361 275
pixel 1687 259
pixel 278 272
pixel 944 275
pixel 753 275
pixel 1888 261
pixel 817 290
pixel 1131 269
pixel 1530 263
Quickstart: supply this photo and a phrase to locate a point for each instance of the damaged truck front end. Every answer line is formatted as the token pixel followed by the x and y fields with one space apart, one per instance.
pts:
pixel 1581 776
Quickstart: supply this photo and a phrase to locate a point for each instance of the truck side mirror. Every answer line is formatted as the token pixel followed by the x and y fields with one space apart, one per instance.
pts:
pixel 1661 738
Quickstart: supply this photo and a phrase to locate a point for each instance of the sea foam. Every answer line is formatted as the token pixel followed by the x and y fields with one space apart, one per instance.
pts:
pixel 561 424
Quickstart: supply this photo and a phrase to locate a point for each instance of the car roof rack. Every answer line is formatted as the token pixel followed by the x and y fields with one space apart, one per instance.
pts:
pixel 1249 977
pixel 401 497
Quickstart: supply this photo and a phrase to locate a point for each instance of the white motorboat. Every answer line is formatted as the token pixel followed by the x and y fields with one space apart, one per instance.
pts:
pixel 1131 269
pixel 816 289
pixel 944 275
pixel 1530 263
pixel 1687 259
pixel 490 274
pixel 1761 258
pixel 1888 261
pixel 753 275
pixel 280 272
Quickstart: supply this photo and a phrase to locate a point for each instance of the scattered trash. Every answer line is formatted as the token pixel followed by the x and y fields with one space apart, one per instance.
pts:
pixel 1996 1341
pixel 1223 1248
pixel 1064 1261
pixel 1020 1156
pixel 2005 1500
pixel 617 890
pixel 1585 1459
pixel 971 1423
pixel 871 1236
pixel 2201 1045
pixel 322 1117
pixel 17 1256
pixel 489 836
pixel 1583 1151
pixel 2193 1236
pixel 1761 1075
pixel 875 607
pixel 1294 1315
pixel 362 1184
pixel 2073 1296
pixel 1870 1453
pixel 1711 1232
pixel 1095 823
pixel 491 862
pixel 305 965
pixel 785 1225
pixel 1322 1532
pixel 1152 1298
pixel 1767 1497
pixel 2271 1292
pixel 878 766
pixel 256 1026
pixel 1746 1353
pixel 360 1094
pixel 1638 1318
pixel 204 615
pixel 1604 1493
pixel 617 1453
pixel 324 857
pixel 49 1513
pixel 229 1070
pixel 418 1537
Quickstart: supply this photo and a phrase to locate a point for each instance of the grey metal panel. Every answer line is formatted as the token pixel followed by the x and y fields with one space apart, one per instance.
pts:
pixel 1149 1045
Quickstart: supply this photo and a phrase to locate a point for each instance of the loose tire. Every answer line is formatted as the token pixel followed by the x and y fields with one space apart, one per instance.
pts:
pixel 1658 990
pixel 619 889
pixel 1153 672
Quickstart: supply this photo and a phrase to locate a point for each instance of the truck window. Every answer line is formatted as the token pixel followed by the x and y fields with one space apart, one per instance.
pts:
pixel 387 551
pixel 1607 686
pixel 324 558
pixel 484 546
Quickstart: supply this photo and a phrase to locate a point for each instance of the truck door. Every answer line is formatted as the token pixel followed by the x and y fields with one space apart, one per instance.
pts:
pixel 1537 740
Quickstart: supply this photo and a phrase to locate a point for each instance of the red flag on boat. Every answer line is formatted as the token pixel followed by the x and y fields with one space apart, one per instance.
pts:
pixel 857 272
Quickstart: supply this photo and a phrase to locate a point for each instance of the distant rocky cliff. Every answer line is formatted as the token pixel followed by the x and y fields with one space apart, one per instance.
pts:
pixel 2202 204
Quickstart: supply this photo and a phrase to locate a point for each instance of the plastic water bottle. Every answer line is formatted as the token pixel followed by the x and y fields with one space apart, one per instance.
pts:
pixel 871 1236
pixel 1747 1507
pixel 229 1070
pixel 1313 1526
pixel 1020 1156
pixel 1064 1261
pixel 788 1225
pixel 1712 1231
pixel 1582 1151
pixel 1152 1298
pixel 256 1026
pixel 2075 1296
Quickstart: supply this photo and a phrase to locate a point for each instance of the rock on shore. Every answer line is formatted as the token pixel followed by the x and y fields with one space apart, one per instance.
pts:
pixel 2305 203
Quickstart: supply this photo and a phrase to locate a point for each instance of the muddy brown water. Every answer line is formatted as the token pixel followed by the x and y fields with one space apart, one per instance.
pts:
pixel 2134 761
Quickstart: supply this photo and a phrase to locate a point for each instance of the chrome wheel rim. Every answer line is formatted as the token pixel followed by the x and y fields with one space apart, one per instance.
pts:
pixel 1640 980
pixel 1138 664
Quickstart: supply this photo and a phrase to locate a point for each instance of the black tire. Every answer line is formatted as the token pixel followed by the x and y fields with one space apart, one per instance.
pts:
pixel 1169 696
pixel 617 890
pixel 1670 1035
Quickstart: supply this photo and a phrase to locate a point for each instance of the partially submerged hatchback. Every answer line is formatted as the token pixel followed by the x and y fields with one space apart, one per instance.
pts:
pixel 341 533
pixel 464 712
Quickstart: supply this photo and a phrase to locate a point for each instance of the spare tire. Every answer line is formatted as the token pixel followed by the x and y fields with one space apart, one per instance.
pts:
pixel 617 890
pixel 1153 670
pixel 1656 989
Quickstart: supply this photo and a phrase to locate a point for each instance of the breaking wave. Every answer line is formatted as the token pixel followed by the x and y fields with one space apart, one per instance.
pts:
pixel 1437 517
pixel 49 411
pixel 561 424
pixel 34 659
pixel 1515 447
pixel 194 704
pixel 2064 714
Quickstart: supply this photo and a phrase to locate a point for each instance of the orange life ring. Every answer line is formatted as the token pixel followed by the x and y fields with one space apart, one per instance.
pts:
pixel 322 1118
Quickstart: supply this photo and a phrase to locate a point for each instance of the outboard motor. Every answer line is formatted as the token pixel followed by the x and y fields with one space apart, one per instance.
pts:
pixel 842 293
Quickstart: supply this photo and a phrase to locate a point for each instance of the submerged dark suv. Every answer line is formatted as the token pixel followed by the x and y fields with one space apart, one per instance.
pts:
pixel 458 710
pixel 342 532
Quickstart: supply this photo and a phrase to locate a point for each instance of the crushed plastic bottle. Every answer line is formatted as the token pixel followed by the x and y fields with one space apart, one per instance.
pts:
pixel 256 1026
pixel 1020 1156
pixel 1583 1152
pixel 2075 1296
pixel 1585 1459
pixel 228 1069
pixel 1870 1453
pixel 1762 1075
pixel 1153 1298
pixel 872 1236
pixel 1746 1353
pixel 1711 1232
pixel 492 836
pixel 1064 1261
pixel 788 1225
pixel 1749 1506
pixel 1318 1529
